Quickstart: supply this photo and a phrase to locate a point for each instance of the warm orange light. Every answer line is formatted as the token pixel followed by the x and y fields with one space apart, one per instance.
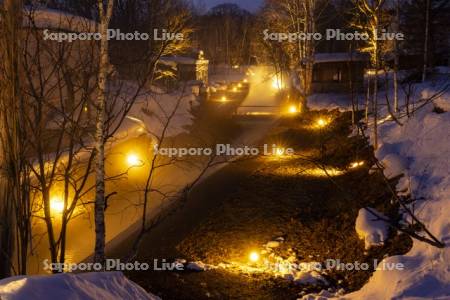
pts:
pixel 245 80
pixel 323 172
pixel 293 109
pixel 356 164
pixel 277 83
pixel 279 151
pixel 258 113
pixel 56 204
pixel 223 99
pixel 254 256
pixel 321 122
pixel 133 160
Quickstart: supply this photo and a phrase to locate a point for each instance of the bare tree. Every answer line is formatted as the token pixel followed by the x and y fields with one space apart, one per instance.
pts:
pixel 116 100
pixel 58 83
pixel 174 198
pixel 370 19
pixel 299 16
pixel 14 197
pixel 224 34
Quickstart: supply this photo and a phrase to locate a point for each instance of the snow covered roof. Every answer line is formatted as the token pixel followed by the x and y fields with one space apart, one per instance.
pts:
pixel 339 57
pixel 58 20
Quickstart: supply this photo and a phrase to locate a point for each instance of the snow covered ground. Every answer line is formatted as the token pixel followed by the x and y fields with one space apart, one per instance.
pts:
pixel 152 110
pixel 372 230
pixel 45 18
pixel 342 102
pixel 422 149
pixel 302 273
pixel 98 286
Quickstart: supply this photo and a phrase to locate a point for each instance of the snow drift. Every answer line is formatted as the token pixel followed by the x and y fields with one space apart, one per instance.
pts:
pixel 423 144
pixel 109 285
pixel 373 231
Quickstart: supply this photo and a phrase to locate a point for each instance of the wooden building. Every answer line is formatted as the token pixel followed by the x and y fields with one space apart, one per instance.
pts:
pixel 188 68
pixel 332 72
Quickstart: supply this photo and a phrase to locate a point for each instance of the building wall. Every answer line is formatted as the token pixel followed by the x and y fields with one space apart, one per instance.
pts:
pixel 198 71
pixel 332 77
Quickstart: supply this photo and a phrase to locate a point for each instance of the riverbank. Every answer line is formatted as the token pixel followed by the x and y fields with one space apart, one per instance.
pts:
pixel 309 201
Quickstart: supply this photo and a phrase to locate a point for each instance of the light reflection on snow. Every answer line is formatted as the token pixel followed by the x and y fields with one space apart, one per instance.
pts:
pixel 12 287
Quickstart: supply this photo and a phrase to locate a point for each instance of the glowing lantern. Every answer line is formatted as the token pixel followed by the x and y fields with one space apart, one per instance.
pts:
pixel 356 164
pixel 223 99
pixel 321 123
pixel 293 109
pixel 245 80
pixel 254 256
pixel 57 204
pixel 279 151
pixel 133 160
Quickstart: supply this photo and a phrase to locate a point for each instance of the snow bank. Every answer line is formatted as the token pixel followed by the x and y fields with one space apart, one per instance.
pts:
pixel 323 294
pixel 394 165
pixel 372 230
pixel 343 102
pixel 58 20
pixel 108 285
pixel 333 101
pixel 198 266
pixel 309 278
pixel 152 110
pixel 155 109
pixel 423 146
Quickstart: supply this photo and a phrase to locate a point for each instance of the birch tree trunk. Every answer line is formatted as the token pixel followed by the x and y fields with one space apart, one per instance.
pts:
pixel 375 106
pixel 100 230
pixel 302 15
pixel 372 11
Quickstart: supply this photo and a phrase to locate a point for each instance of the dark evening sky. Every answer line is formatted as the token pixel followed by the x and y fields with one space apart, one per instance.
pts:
pixel 250 5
